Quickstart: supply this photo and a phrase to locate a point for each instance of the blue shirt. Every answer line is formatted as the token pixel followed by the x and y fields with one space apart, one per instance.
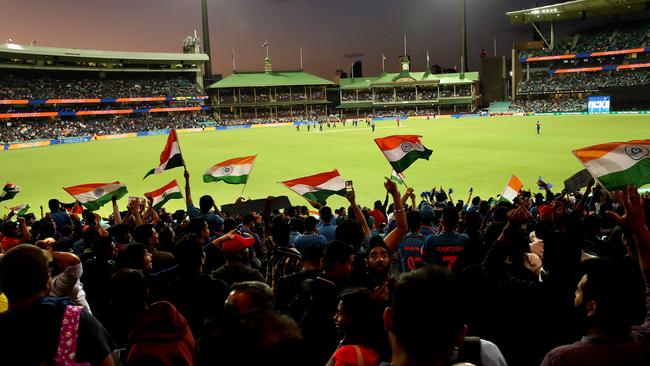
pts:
pixel 303 241
pixel 410 249
pixel 328 231
pixel 213 220
pixel 444 249
pixel 61 219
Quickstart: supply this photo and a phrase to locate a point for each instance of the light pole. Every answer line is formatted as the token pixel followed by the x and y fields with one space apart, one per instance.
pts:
pixel 206 38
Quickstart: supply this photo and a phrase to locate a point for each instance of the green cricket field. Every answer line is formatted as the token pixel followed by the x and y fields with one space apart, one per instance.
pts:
pixel 471 152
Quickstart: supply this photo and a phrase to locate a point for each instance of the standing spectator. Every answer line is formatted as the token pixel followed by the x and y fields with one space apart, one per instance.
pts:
pixel 446 249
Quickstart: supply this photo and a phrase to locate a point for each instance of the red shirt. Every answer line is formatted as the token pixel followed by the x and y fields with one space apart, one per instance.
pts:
pixel 8 243
pixel 347 356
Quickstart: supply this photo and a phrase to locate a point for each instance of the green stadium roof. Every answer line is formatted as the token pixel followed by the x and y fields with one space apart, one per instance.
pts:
pixel 274 78
pixel 389 79
pixel 577 9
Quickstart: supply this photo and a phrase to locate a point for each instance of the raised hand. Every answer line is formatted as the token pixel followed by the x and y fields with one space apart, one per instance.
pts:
pixel 634 216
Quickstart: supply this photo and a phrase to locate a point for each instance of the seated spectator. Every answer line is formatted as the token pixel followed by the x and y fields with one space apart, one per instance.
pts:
pixel 32 328
pixel 158 333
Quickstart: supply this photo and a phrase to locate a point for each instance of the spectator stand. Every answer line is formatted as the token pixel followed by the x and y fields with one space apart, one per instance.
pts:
pixel 408 93
pixel 269 96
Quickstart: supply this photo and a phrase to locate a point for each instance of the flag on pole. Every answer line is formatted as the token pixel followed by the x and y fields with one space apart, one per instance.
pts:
pixel 512 189
pixel 231 171
pixel 318 187
pixel 161 195
pixel 95 195
pixel 397 177
pixel 74 207
pixel 9 191
pixel 19 210
pixel 170 157
pixel 617 164
pixel 402 150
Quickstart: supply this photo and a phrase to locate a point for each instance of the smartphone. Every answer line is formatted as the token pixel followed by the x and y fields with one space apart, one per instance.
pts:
pixel 348 187
pixel 471 189
pixel 451 190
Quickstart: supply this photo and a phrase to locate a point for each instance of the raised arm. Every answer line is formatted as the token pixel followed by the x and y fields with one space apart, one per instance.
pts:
pixel 358 215
pixel 188 190
pixel 634 219
pixel 117 218
pixel 395 236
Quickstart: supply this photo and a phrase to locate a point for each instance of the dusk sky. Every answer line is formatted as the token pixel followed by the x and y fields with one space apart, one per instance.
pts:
pixel 325 29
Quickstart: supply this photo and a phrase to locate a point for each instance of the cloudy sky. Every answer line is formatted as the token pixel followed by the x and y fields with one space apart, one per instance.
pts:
pixel 325 29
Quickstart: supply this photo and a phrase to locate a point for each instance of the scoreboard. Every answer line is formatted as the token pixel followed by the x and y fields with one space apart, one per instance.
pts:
pixel 599 105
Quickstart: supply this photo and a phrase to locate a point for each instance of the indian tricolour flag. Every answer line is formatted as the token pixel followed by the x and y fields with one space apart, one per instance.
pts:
pixel 231 171
pixel 19 210
pixel 170 157
pixel 512 189
pixel 161 195
pixel 397 177
pixel 318 187
pixel 95 195
pixel 402 150
pixel 617 164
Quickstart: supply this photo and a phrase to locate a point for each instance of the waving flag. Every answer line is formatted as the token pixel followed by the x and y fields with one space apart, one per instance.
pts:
pixel 617 164
pixel 397 177
pixel 512 189
pixel 19 210
pixel 95 195
pixel 9 191
pixel 318 187
pixel 231 171
pixel 170 157
pixel 161 195
pixel 402 150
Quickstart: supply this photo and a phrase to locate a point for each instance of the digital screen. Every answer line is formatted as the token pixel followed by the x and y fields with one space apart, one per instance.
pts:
pixel 599 105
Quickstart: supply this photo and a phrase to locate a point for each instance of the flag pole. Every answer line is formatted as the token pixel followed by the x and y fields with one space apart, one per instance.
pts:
pixel 249 175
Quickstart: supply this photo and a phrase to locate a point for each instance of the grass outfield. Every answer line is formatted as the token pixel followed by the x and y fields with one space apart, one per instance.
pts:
pixel 478 152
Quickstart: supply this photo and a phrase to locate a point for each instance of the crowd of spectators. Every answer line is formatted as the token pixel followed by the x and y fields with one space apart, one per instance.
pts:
pixel 22 130
pixel 550 105
pixel 621 36
pixel 583 81
pixel 274 286
pixel 52 85
pixel 402 96
pixel 278 96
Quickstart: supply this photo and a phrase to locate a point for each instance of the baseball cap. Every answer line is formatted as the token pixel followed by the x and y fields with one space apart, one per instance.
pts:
pixel 237 244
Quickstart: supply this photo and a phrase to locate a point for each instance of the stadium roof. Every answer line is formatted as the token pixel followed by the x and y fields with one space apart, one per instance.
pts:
pixel 274 78
pixel 389 79
pixel 577 9
pixel 17 51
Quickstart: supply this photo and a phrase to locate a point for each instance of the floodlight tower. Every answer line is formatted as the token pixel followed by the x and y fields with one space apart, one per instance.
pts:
pixel 463 39
pixel 206 38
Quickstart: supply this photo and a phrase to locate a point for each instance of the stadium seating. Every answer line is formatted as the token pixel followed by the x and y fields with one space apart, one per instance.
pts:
pixel 583 81
pixel 499 107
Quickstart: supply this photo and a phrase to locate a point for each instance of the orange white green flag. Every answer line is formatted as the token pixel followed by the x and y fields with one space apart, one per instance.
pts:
pixel 170 157
pixel 402 150
pixel 617 164
pixel 95 195
pixel 161 195
pixel 318 187
pixel 511 189
pixel 231 171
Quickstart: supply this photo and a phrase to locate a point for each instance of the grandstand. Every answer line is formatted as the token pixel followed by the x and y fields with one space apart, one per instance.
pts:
pixel 409 93
pixel 609 57
pixel 54 93
pixel 269 96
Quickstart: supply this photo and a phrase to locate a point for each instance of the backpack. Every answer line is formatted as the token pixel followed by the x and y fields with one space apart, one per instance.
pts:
pixel 67 349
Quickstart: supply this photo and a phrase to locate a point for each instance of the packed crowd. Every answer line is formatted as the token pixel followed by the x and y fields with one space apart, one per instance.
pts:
pixel 278 96
pixel 550 105
pixel 22 130
pixel 74 86
pixel 583 81
pixel 429 281
pixel 621 36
